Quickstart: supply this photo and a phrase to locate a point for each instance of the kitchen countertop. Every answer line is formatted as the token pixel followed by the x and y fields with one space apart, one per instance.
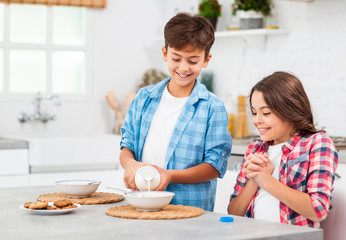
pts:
pixel 91 222
pixel 6 143
pixel 239 147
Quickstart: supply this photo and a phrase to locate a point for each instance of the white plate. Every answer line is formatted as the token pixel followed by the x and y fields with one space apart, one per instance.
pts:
pixel 50 212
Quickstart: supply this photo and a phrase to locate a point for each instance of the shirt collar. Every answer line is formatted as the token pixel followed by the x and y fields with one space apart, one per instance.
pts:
pixel 199 91
pixel 290 144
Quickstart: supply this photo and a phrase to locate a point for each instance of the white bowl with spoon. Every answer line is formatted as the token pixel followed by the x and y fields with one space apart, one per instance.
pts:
pixel 78 188
pixel 145 200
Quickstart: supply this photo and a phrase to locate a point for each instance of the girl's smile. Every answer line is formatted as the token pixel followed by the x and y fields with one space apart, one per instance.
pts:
pixel 269 126
pixel 263 130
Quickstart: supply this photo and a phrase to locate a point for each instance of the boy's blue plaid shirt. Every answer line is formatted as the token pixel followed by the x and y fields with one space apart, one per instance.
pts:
pixel 200 136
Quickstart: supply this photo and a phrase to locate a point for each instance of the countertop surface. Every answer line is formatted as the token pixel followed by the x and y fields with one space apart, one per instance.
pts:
pixel 91 222
pixel 239 147
pixel 6 143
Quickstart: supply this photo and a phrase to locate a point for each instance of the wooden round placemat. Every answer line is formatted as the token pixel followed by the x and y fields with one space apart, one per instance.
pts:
pixel 168 212
pixel 94 198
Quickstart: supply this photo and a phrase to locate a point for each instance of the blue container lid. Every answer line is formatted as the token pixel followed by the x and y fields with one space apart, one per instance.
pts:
pixel 226 219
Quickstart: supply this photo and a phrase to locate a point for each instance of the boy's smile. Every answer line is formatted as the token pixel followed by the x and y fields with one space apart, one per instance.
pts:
pixel 184 67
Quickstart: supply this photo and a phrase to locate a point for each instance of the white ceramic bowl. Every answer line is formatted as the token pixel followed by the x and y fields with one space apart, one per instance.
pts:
pixel 149 201
pixel 78 188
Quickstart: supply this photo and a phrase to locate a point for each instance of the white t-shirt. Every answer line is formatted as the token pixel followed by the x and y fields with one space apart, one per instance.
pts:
pixel 267 207
pixel 161 129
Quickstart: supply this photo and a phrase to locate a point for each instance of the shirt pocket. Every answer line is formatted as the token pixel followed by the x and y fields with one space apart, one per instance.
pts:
pixel 297 172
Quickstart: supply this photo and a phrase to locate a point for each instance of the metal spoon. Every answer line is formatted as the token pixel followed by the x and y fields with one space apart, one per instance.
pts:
pixel 119 190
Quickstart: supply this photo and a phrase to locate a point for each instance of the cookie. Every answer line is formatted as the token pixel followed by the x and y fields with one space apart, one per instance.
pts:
pixel 27 204
pixel 38 205
pixel 51 207
pixel 69 206
pixel 62 203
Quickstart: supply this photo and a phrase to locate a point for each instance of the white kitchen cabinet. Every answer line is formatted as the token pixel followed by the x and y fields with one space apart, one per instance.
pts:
pixel 334 224
pixel 59 153
pixel 224 190
pixel 72 153
pixel 14 161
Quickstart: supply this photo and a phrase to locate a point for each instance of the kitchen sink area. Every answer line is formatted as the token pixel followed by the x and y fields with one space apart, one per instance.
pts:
pixel 59 153
pixel 13 156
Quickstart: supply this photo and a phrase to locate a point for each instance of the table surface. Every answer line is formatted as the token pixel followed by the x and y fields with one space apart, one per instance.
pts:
pixel 91 222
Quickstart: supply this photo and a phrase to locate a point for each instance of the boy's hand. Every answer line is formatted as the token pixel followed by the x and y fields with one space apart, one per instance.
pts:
pixel 165 178
pixel 130 172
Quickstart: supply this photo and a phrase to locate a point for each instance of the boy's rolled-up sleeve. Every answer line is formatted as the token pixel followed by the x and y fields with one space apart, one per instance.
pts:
pixel 218 142
pixel 127 130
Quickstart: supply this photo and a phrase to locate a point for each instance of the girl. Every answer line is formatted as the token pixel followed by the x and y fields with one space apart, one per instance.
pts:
pixel 288 175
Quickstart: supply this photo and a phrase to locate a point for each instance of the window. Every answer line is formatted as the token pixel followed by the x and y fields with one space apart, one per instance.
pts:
pixel 42 49
pixel 1 49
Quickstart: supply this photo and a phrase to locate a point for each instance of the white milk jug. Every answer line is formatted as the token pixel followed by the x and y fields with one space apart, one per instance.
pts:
pixel 147 178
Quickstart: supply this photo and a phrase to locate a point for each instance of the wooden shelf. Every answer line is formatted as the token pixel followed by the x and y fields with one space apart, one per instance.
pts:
pixel 243 33
pixel 250 32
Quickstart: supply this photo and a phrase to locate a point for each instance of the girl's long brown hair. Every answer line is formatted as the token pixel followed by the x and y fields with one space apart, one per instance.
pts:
pixel 285 96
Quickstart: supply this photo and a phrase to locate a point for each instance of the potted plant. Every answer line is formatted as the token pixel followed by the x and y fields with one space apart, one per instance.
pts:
pixel 210 9
pixel 251 12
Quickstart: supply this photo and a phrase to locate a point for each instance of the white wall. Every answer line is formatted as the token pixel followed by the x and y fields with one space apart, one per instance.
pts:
pixel 119 33
pixel 315 50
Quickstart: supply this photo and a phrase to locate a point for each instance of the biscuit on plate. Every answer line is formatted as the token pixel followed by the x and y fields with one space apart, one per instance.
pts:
pixel 27 204
pixel 62 203
pixel 38 205
pixel 51 207
pixel 69 206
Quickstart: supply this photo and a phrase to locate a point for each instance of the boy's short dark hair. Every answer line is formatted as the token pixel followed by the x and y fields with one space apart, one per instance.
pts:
pixel 185 29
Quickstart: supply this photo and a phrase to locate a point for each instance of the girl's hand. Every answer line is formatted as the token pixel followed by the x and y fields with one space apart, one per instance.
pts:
pixel 266 172
pixel 254 164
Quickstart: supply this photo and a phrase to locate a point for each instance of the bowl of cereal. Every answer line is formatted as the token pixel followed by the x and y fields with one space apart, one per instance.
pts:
pixel 149 201
pixel 78 188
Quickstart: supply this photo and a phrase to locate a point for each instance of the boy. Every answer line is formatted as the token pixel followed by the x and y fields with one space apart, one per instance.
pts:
pixel 177 126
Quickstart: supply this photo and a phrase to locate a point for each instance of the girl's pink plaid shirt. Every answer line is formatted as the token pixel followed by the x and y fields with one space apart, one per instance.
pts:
pixel 308 165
